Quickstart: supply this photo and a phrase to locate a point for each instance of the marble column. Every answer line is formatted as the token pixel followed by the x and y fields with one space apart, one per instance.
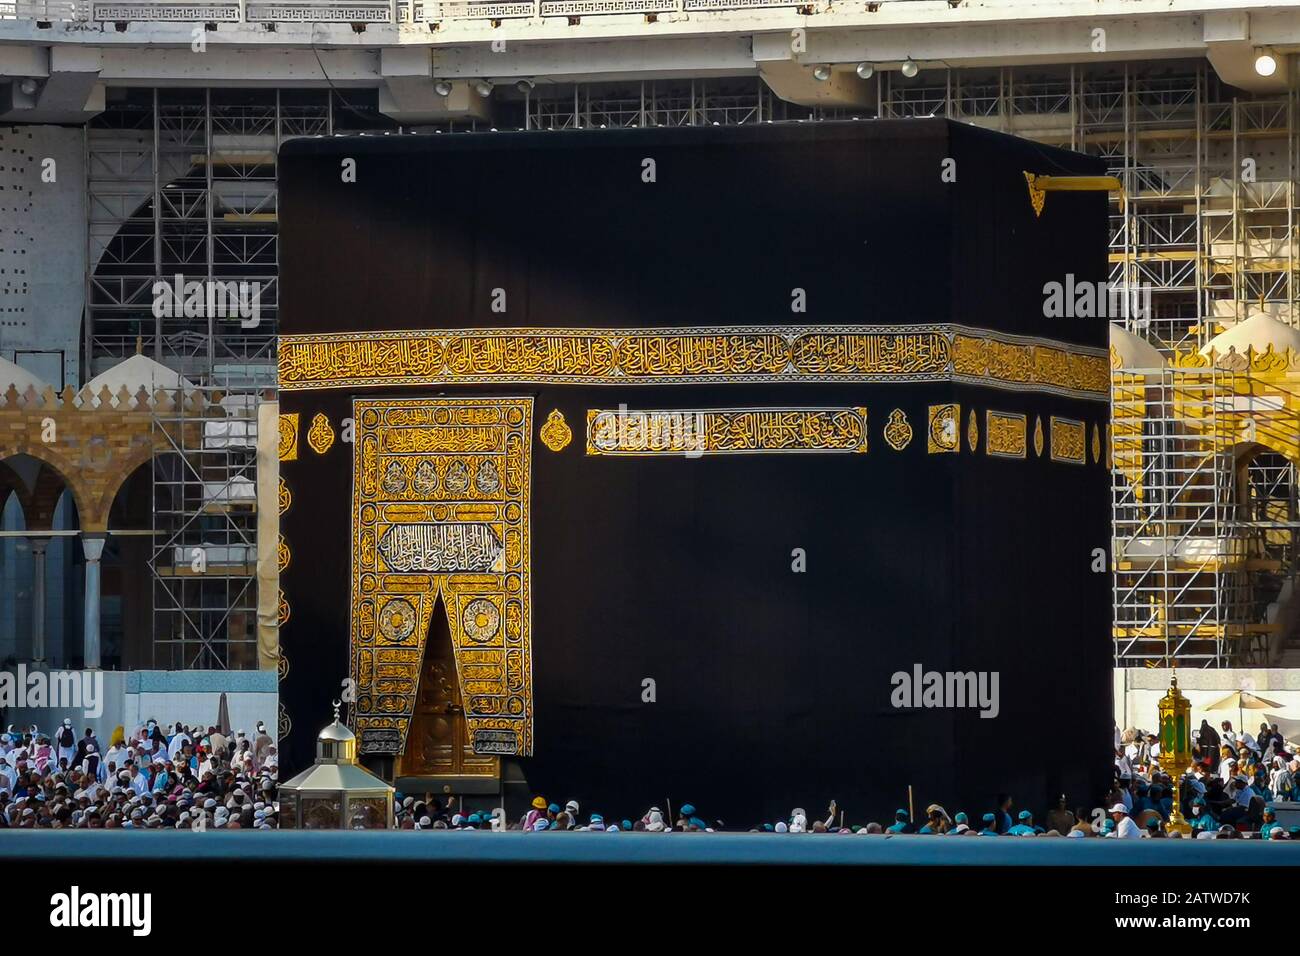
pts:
pixel 38 546
pixel 93 546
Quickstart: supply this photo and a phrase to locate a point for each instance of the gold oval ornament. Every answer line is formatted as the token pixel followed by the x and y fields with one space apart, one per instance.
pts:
pixel 555 433
pixel 1096 445
pixel 1038 436
pixel 320 436
pixel 898 433
pixel 972 432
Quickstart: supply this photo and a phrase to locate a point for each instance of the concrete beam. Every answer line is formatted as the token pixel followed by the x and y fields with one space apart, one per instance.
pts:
pixel 409 95
pixel 793 81
pixel 223 66
pixel 1232 50
pixel 67 86
pixel 598 60
pixel 1040 43
pixel 977 33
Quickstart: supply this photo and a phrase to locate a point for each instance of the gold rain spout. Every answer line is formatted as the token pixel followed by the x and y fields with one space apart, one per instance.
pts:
pixel 1040 185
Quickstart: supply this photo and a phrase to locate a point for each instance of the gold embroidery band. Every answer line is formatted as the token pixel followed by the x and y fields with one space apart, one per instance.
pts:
pixel 725 431
pixel 721 355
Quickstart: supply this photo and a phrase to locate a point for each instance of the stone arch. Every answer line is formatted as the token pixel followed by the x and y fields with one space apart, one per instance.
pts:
pixel 123 497
pixel 12 485
pixel 56 474
pixel 123 470
pixel 1264 440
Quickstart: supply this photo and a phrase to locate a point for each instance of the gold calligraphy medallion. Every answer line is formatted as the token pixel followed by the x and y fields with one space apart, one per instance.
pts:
pixel 320 436
pixel 898 433
pixel 556 434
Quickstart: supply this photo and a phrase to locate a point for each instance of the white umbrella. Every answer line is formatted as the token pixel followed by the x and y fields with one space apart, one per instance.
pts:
pixel 1240 700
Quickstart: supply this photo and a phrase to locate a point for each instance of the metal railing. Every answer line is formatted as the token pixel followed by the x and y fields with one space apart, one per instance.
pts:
pixel 368 11
pixel 45 11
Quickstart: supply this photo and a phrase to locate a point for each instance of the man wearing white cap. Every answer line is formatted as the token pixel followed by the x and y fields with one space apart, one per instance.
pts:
pixel 260 744
pixel 67 741
pixel 1125 828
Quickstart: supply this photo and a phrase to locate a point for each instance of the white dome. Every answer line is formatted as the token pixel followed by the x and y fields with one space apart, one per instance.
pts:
pixel 19 378
pixel 1133 350
pixel 1258 333
pixel 137 372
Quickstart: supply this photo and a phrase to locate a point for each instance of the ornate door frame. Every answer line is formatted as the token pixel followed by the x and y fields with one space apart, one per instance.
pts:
pixel 441 503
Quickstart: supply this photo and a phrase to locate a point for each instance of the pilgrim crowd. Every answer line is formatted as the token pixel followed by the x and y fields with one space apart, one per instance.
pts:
pixel 1228 794
pixel 195 778
pixel 177 777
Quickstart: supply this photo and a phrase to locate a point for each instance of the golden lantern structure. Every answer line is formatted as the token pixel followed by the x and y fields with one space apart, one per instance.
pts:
pixel 336 792
pixel 1175 724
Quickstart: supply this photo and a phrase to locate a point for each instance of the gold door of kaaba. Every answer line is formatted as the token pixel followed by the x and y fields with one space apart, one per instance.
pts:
pixel 440 524
pixel 438 743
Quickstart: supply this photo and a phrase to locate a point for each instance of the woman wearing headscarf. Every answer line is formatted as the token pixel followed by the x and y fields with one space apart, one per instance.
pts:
pixel 1280 781
pixel 157 738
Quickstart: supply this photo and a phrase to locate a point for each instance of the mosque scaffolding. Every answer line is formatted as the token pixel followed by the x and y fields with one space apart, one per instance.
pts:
pixel 203 563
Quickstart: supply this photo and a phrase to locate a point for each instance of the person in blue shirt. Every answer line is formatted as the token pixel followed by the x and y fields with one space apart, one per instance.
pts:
pixel 990 825
pixel 1270 828
pixel 902 823
pixel 1202 819
pixel 1141 800
pixel 1026 825
pixel 1160 801
pixel 689 821
pixel 1004 813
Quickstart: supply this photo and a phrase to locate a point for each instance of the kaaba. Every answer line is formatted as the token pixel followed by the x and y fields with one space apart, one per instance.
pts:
pixel 737 466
